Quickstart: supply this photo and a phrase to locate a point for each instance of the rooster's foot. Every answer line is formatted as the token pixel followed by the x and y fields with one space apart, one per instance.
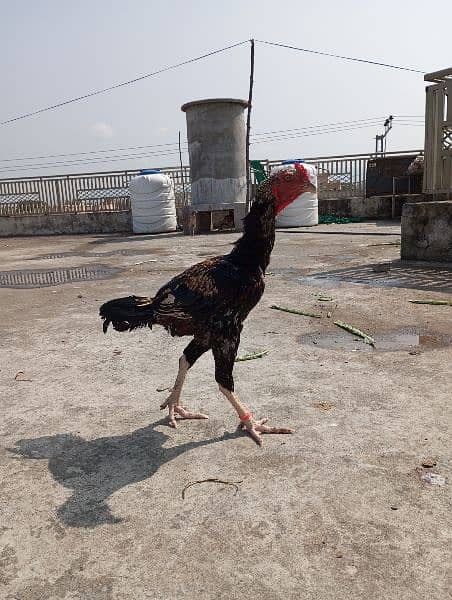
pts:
pixel 179 413
pixel 257 428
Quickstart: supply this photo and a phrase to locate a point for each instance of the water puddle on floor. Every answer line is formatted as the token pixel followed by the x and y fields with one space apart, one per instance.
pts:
pixel 408 340
pixel 38 278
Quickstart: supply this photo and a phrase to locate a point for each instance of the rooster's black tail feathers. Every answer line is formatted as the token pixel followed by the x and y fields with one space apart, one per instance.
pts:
pixel 126 314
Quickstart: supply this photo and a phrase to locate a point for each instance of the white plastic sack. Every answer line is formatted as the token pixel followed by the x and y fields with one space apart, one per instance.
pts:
pixel 153 203
pixel 304 210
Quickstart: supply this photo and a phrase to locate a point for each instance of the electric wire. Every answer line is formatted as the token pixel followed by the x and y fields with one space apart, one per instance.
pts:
pixel 198 58
pixel 122 84
pixel 16 168
pixel 170 149
pixel 84 153
pixel 340 56
pixel 369 120
pixel 156 155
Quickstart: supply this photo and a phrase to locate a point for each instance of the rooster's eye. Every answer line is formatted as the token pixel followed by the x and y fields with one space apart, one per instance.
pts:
pixel 288 177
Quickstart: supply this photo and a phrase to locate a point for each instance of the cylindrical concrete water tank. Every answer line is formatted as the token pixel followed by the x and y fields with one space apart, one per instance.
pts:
pixel 152 202
pixel 216 135
pixel 304 210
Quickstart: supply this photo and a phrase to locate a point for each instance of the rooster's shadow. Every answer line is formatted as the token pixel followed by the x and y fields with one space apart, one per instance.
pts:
pixel 95 469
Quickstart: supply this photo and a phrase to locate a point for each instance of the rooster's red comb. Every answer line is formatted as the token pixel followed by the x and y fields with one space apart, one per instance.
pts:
pixel 303 172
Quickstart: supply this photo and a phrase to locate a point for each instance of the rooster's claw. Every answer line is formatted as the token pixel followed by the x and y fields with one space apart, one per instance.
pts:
pixel 257 428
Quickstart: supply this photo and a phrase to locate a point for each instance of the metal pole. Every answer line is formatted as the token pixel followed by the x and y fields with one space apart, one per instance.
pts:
pixel 182 173
pixel 248 128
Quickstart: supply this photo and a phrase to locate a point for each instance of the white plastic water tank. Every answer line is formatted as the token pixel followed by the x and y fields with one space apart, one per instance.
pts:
pixel 304 210
pixel 153 204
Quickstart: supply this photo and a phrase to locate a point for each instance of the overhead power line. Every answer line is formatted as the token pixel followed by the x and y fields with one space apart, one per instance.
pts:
pixel 156 155
pixel 100 159
pixel 370 120
pixel 195 59
pixel 153 152
pixel 302 134
pixel 122 84
pixel 308 131
pixel 86 162
pixel 320 132
pixel 340 56
pixel 122 158
pixel 85 153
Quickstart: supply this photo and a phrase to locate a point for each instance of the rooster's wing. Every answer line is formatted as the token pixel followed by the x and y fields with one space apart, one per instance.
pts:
pixel 215 293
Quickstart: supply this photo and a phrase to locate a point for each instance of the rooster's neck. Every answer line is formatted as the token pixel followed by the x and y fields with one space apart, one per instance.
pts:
pixel 256 244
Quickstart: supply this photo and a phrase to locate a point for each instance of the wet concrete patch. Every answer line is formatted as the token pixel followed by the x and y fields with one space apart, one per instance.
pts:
pixel 399 274
pixel 287 272
pixel 38 278
pixel 409 340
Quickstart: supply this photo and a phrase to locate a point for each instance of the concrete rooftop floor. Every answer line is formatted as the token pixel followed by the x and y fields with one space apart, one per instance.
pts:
pixel 91 504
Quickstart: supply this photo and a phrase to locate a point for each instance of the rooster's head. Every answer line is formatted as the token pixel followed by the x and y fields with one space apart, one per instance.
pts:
pixel 289 183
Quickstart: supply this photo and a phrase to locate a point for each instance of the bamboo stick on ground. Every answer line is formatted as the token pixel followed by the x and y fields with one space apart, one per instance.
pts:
pixel 366 338
pixel 296 311
pixel 251 356
pixel 435 302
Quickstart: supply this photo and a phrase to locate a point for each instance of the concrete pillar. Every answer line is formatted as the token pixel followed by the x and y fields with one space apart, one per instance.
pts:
pixel 216 135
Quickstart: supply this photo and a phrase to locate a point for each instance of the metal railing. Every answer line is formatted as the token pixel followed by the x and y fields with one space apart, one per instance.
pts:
pixel 341 176
pixel 86 192
pixel 338 177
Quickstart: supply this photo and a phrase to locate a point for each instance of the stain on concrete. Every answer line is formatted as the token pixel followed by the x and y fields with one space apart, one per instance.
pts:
pixel 399 340
pixel 8 564
pixel 71 584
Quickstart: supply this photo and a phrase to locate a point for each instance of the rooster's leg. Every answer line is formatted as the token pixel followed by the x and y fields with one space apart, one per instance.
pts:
pixel 191 353
pixel 224 355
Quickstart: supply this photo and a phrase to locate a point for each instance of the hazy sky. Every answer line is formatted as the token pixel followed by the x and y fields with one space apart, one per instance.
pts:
pixel 53 50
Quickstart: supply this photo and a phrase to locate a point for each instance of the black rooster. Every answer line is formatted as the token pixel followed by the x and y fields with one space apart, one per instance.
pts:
pixel 211 300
